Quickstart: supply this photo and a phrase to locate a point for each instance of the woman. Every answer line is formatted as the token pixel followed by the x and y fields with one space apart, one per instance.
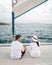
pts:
pixel 35 47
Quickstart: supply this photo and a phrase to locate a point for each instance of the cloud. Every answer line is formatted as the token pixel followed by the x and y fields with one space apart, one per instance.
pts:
pixel 41 14
pixel 5 11
pixel 38 14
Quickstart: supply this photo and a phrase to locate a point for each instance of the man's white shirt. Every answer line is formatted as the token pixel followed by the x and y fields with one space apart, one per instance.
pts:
pixel 16 49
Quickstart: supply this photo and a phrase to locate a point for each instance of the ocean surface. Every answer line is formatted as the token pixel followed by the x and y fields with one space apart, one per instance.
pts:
pixel 27 30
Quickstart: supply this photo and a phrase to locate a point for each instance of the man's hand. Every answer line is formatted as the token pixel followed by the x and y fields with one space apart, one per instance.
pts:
pixel 25 47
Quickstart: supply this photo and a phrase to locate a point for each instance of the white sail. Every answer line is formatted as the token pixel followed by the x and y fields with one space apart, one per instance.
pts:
pixel 22 6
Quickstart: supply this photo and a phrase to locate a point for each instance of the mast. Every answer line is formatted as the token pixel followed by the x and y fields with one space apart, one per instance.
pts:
pixel 13 27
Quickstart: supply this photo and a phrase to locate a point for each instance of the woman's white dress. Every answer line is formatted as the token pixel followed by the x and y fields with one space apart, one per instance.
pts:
pixel 34 50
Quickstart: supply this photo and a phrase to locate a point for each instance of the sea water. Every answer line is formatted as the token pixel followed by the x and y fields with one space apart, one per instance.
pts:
pixel 27 30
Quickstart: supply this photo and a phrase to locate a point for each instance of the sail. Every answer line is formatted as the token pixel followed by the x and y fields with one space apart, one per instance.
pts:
pixel 22 6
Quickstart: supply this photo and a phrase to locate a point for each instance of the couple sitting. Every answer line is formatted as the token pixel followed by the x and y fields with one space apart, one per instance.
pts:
pixel 18 49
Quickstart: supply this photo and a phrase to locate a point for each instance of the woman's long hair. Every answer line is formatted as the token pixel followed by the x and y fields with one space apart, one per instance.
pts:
pixel 37 43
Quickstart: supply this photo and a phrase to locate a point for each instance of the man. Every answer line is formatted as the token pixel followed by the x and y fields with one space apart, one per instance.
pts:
pixel 17 48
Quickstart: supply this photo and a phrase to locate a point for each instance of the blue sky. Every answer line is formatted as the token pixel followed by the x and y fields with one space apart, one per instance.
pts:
pixel 40 14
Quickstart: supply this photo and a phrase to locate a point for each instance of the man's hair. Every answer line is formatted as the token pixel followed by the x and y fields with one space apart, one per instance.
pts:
pixel 17 36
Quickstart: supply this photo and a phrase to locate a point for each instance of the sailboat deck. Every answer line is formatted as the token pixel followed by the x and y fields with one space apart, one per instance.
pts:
pixel 44 59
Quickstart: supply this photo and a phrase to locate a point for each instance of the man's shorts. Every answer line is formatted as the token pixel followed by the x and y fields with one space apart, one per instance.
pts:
pixel 22 54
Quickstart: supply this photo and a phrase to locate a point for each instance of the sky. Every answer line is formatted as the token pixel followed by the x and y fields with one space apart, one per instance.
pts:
pixel 40 14
pixel 5 11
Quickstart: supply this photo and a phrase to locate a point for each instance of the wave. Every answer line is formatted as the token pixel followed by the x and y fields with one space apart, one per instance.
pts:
pixel 45 38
